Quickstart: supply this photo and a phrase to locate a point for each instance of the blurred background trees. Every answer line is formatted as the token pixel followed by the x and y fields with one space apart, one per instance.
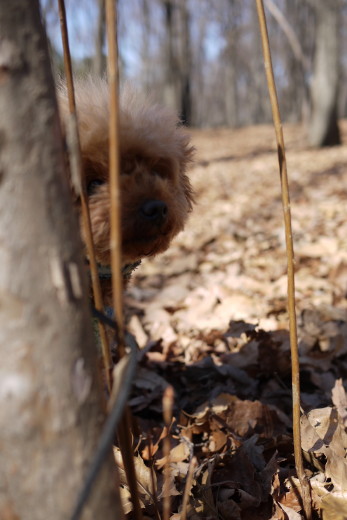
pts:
pixel 203 57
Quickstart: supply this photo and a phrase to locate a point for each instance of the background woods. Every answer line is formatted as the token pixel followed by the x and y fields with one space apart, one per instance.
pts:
pixel 204 57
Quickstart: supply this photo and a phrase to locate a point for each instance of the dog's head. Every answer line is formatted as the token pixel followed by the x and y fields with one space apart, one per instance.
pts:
pixel 156 195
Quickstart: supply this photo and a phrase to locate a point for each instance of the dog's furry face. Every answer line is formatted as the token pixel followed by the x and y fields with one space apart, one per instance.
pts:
pixel 156 195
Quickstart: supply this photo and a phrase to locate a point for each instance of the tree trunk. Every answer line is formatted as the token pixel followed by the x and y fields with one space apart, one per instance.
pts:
pixel 146 75
pixel 99 61
pixel 323 129
pixel 198 78
pixel 177 75
pixel 298 66
pixel 171 66
pixel 50 399
pixel 230 65
pixel 186 65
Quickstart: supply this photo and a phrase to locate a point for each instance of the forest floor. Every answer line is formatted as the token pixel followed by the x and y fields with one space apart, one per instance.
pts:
pixel 210 317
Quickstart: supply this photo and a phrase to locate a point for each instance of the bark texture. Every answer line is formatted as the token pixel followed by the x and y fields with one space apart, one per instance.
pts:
pixel 50 399
pixel 99 61
pixel 186 65
pixel 324 130
pixel 177 77
pixel 171 62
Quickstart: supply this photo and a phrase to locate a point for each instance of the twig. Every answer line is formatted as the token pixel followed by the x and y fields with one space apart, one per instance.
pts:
pixel 77 175
pixel 168 399
pixel 188 487
pixel 305 486
pixel 115 195
pixel 124 429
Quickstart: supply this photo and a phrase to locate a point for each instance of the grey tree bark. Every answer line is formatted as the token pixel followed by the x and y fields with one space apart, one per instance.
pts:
pixel 323 128
pixel 99 61
pixel 177 73
pixel 171 71
pixel 186 64
pixel 298 66
pixel 198 83
pixel 145 51
pixel 230 31
pixel 50 397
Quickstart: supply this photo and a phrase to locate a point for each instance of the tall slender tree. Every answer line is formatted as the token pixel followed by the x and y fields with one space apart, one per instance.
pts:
pixel 171 70
pixel 323 129
pixel 185 64
pixel 99 60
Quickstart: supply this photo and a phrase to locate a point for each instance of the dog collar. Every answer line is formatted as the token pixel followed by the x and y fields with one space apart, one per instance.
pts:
pixel 105 272
pixel 128 269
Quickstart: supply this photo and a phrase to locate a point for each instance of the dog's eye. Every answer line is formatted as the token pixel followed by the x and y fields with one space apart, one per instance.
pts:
pixel 162 168
pixel 128 164
pixel 93 185
pixel 159 173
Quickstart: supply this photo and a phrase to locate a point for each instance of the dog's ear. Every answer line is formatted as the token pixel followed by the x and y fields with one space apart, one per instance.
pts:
pixel 187 153
pixel 62 99
pixel 188 191
pixel 61 93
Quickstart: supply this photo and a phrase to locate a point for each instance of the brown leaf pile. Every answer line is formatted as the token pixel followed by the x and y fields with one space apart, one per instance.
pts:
pixel 210 318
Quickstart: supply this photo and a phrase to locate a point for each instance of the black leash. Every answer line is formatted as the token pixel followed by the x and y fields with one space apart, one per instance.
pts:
pixel 106 439
pixel 104 318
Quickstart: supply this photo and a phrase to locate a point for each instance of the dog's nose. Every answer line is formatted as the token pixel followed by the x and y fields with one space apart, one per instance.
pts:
pixel 155 210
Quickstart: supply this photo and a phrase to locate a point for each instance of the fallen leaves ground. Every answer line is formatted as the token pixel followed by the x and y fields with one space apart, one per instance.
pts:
pixel 210 318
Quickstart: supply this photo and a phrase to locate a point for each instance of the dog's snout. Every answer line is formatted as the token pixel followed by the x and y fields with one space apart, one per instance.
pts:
pixel 155 210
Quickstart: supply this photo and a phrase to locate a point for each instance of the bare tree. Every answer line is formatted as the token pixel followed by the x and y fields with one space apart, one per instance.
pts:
pixel 324 130
pixel 186 64
pixel 145 55
pixel 256 95
pixel 99 61
pixel 297 94
pixel 230 25
pixel 50 399
pixel 177 58
pixel 202 57
pixel 171 71
pixel 198 82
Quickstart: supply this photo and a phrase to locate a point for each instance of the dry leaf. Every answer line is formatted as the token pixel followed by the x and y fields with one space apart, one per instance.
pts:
pixel 232 380
pixel 179 453
pixel 339 399
pixel 291 513
pixel 143 475
pixel 334 507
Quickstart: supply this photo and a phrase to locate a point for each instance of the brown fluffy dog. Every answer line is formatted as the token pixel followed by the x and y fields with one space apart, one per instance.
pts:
pixel 154 150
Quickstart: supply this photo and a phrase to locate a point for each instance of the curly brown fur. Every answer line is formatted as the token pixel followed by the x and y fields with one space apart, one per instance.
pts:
pixel 155 152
